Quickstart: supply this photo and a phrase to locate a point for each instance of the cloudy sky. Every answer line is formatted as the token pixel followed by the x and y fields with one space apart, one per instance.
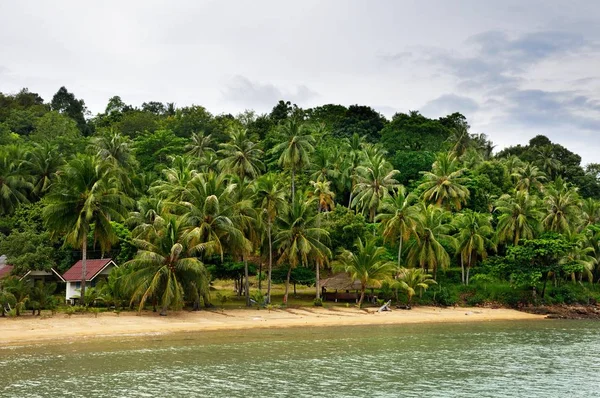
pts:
pixel 515 69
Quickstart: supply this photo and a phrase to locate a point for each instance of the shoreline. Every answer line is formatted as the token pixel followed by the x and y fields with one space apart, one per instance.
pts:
pixel 60 328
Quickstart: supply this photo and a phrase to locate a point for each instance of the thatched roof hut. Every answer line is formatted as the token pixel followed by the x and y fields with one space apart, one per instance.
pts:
pixel 341 281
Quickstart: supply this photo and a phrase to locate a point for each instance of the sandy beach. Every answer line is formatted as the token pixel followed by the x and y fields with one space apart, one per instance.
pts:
pixel 60 327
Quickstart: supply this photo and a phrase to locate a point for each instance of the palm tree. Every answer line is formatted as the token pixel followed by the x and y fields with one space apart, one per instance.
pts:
pixel 240 156
pixel 368 265
pixel 444 184
pixel 581 258
pixel 374 182
pixel 398 218
pixel 563 207
pixel 427 249
pixel 175 179
pixel 473 239
pixel 460 140
pixel 295 148
pixel 201 145
pixel 245 219
pixel 41 296
pixel 143 220
pixel 352 160
pixel 590 212
pixel 411 279
pixel 85 193
pixel 322 193
pixel 165 268
pixel 42 162
pixel 271 198
pixel 547 161
pixel 115 148
pixel 519 217
pixel 528 177
pixel 207 207
pixel 13 184
pixel 19 291
pixel 300 241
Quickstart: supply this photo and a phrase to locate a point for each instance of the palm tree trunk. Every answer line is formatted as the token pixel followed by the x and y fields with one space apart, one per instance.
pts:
pixel 469 267
pixel 260 276
pixel 351 189
pixel 399 251
pixel 362 295
pixel 462 268
pixel 270 265
pixel 293 184
pixel 287 285
pixel 83 270
pixel 317 284
pixel 247 283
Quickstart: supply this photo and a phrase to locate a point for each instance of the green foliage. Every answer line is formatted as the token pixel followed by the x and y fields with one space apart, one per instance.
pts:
pixel 344 227
pixel 153 150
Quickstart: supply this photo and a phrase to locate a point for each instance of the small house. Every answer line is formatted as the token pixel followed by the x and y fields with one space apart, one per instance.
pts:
pixel 96 270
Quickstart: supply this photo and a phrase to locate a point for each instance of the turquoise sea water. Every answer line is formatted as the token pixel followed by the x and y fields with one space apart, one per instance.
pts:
pixel 494 359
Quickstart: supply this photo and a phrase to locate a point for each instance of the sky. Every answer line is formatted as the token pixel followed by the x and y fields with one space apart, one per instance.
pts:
pixel 515 69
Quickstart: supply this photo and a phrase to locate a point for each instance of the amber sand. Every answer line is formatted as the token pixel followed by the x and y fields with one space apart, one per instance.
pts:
pixel 60 327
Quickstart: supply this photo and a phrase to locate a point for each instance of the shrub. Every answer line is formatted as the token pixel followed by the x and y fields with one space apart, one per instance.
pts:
pixel 444 297
pixel 317 302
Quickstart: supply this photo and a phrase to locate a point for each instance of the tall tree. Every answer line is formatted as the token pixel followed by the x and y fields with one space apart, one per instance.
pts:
pixel 299 240
pixel 165 268
pixel 445 184
pixel 368 265
pixel 241 156
pixel 375 180
pixel 427 249
pixel 473 238
pixel 295 148
pixel 519 217
pixel 399 219
pixel 563 207
pixel 13 182
pixel 271 201
pixel 85 194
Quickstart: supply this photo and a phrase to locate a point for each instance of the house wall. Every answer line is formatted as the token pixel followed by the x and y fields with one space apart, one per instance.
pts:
pixel 73 289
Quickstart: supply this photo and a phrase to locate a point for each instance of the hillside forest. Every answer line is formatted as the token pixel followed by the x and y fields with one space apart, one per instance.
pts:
pixel 421 210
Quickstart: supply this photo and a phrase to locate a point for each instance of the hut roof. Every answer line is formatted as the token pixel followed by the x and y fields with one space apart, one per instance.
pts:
pixel 341 281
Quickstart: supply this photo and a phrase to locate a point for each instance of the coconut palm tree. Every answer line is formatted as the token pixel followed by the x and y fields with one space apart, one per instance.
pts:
pixel 201 145
pixel 241 156
pixel 206 205
pixel 165 267
pixel 581 258
pixel 374 182
pixel 41 296
pixel 528 177
pixel 563 207
pixel 411 279
pixel 352 160
pixel 368 264
pixel 271 201
pixel 13 184
pixel 321 192
pixel 427 249
pixel 444 184
pixel 399 219
pixel 473 239
pixel 519 217
pixel 299 240
pixel 590 212
pixel 42 162
pixel 19 289
pixel 175 179
pixel 85 194
pixel 295 148
pixel 115 148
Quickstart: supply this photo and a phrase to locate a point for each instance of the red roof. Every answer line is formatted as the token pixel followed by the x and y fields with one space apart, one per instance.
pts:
pixel 93 267
pixel 5 270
